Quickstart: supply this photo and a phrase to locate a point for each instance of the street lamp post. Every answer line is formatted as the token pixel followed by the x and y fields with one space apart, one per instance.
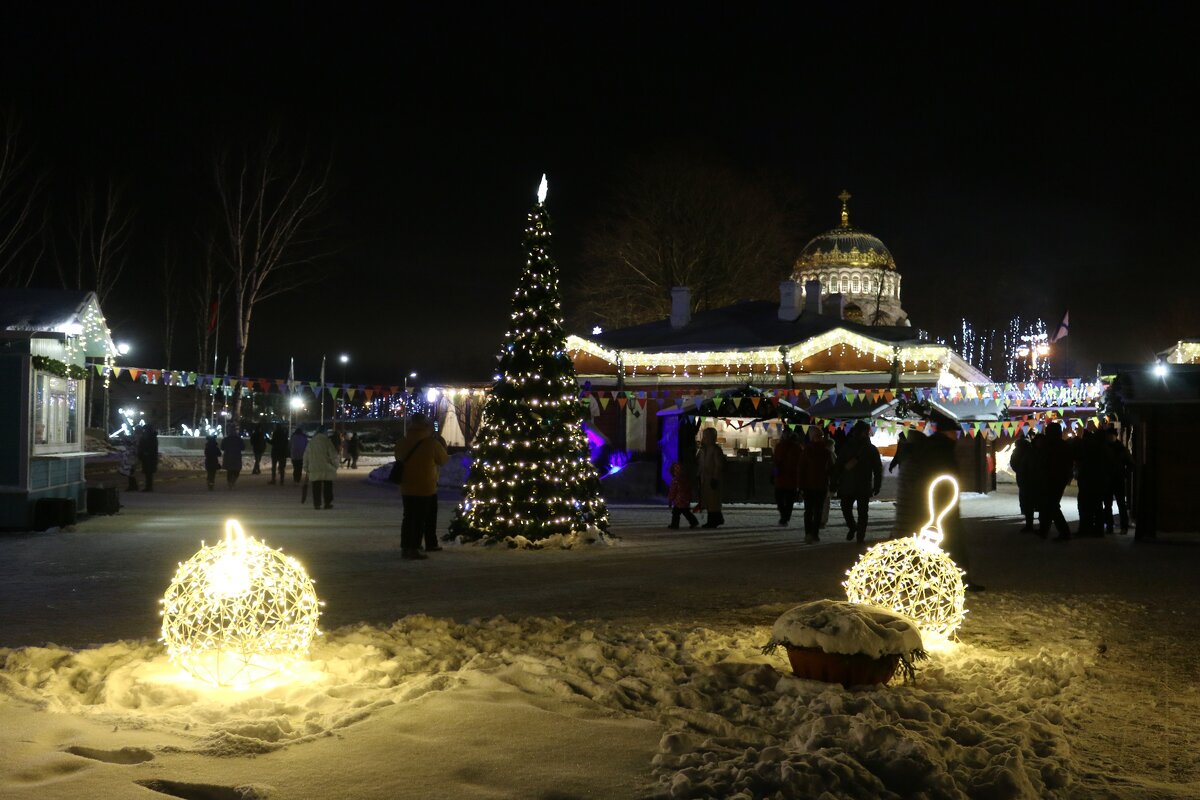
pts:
pixel 345 359
pixel 123 349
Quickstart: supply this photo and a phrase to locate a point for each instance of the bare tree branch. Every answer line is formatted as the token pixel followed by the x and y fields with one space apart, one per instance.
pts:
pixel 99 231
pixel 679 222
pixel 22 228
pixel 270 204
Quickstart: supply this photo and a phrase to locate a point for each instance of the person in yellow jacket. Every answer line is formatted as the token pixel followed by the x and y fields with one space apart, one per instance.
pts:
pixel 423 453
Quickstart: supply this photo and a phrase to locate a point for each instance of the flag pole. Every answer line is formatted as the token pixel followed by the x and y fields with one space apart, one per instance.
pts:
pixel 291 391
pixel 322 390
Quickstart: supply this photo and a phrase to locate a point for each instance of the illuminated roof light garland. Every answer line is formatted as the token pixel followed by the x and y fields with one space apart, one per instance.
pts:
pixel 913 576
pixel 238 612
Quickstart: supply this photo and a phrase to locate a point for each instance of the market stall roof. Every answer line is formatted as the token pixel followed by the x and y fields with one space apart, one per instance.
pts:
pixel 65 312
pixel 770 405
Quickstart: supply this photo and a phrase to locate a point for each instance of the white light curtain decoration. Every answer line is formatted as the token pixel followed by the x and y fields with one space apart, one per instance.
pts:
pixel 239 611
pixel 913 576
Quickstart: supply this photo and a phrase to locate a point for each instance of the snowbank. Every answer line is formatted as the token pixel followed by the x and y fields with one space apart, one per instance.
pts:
pixel 733 723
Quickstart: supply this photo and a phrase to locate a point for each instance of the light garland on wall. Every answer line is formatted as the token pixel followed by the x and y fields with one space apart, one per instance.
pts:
pixel 238 612
pixel 1186 351
pixel 936 358
pixel 913 576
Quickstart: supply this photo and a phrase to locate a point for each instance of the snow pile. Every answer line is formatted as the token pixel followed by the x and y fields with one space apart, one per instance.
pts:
pixel 836 626
pixel 560 541
pixel 980 722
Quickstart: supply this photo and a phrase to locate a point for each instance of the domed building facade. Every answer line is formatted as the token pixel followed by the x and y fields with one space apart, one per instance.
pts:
pixel 856 266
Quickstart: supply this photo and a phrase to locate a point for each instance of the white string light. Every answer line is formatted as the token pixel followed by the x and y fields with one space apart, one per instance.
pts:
pixel 238 612
pixel 913 576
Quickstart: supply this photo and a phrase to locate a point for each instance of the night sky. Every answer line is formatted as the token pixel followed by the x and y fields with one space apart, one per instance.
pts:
pixel 1016 160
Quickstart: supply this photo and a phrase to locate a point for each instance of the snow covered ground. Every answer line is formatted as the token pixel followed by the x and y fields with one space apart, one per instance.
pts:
pixel 623 672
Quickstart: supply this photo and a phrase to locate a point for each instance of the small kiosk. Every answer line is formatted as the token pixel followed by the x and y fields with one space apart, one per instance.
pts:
pixel 47 337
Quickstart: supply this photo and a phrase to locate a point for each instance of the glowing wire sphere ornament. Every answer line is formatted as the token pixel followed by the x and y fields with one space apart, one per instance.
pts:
pixel 913 576
pixel 238 611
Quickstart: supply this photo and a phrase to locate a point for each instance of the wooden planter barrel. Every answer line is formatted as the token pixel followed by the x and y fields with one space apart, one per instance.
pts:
pixel 815 664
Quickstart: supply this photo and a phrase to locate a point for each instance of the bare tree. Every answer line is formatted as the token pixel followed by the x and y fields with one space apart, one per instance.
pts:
pixel 680 222
pixel 270 205
pixel 99 232
pixel 22 243
pixel 205 301
pixel 170 302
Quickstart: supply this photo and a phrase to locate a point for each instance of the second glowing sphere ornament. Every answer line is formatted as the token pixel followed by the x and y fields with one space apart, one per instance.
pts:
pixel 913 576
pixel 238 611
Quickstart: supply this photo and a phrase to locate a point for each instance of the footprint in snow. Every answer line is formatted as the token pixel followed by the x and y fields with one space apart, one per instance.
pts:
pixel 126 755
pixel 206 791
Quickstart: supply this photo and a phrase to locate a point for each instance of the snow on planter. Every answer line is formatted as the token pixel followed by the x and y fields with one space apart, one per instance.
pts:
pixel 238 612
pixel 913 576
pixel 847 643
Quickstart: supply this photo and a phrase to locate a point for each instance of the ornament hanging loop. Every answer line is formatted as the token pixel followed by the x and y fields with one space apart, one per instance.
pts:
pixel 931 532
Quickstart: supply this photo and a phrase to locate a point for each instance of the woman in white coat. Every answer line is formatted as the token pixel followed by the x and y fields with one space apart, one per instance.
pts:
pixel 321 465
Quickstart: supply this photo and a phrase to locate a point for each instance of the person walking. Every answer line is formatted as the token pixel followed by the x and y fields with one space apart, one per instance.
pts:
pixel 1020 463
pixel 258 445
pixel 857 477
pixel 815 470
pixel 298 444
pixel 129 460
pixel 321 464
pixel 422 453
pixel 231 455
pixel 679 497
pixel 353 449
pixel 787 474
pixel 711 463
pixel 1093 468
pixel 147 451
pixel 280 450
pixel 1052 464
pixel 1122 467
pixel 212 459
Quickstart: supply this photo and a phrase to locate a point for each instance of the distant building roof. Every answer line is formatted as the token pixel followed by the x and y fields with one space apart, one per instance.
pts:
pixel 62 311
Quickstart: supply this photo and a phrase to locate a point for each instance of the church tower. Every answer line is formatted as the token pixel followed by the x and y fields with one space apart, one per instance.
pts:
pixel 857 265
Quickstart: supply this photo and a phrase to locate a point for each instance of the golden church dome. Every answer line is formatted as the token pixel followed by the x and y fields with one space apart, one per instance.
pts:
pixel 845 246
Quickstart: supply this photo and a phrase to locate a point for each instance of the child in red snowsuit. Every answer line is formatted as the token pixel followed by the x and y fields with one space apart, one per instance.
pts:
pixel 679 496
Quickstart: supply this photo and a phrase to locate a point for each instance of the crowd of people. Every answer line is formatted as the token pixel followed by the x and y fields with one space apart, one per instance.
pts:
pixel 1097 461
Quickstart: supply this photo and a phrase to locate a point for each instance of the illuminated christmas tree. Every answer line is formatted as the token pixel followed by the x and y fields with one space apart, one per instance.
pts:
pixel 530 470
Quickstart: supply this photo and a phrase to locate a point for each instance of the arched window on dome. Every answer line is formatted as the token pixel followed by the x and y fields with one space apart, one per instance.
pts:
pixel 854 284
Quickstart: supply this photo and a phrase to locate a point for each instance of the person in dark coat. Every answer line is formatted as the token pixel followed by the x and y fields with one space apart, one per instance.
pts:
pixel 1093 469
pixel 1052 464
pixel 1122 468
pixel 1020 462
pixel 147 451
pixel 258 444
pixel 815 470
pixel 231 455
pixel 857 477
pixel 299 444
pixel 280 450
pixel 710 463
pixel 353 449
pixel 129 460
pixel 786 459
pixel 212 459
